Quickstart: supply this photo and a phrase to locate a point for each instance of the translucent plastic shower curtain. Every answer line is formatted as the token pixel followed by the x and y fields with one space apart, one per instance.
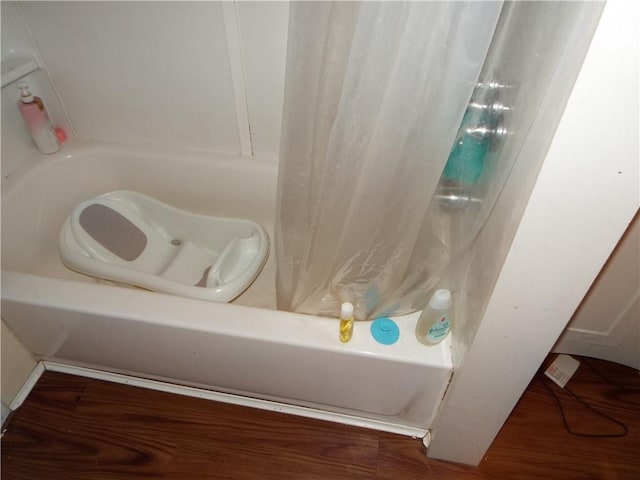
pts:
pixel 375 93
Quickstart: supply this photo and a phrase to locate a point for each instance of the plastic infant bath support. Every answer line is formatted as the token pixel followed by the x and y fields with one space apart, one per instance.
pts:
pixel 135 239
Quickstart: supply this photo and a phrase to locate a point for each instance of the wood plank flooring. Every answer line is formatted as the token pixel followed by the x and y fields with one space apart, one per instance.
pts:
pixel 78 428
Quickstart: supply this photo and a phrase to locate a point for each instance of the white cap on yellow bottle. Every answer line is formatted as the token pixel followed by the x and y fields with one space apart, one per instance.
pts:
pixel 346 310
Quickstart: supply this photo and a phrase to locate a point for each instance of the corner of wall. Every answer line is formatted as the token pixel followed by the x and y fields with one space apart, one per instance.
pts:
pixel 16 365
pixel 18 47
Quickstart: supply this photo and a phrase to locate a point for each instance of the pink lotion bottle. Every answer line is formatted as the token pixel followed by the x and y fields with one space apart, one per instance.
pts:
pixel 37 121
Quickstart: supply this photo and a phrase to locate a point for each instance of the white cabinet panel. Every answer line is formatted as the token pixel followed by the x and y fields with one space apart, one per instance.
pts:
pixel 607 323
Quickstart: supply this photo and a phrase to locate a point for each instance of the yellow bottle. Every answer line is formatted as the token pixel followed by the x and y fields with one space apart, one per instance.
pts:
pixel 346 322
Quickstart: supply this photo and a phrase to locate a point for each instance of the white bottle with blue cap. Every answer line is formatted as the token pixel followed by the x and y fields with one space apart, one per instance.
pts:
pixel 435 321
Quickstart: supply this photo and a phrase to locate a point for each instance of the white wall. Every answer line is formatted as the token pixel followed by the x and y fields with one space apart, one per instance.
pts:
pixel 17 364
pixel 18 48
pixel 160 73
pixel 263 28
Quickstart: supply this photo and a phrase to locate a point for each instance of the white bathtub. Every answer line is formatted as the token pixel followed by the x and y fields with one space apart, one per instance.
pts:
pixel 247 348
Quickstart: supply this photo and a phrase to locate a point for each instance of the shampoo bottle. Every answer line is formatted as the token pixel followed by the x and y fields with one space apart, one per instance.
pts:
pixel 435 321
pixel 37 120
pixel 346 322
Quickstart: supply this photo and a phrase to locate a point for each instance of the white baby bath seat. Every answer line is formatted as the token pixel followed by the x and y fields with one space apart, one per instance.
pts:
pixel 132 238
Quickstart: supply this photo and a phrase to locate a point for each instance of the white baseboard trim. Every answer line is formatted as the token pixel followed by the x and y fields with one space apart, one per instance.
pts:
pixel 220 397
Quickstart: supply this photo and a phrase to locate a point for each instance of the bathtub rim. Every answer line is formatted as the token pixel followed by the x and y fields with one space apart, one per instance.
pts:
pixel 319 333
pixel 77 147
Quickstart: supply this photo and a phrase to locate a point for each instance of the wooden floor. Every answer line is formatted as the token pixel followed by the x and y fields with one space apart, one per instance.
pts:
pixel 77 428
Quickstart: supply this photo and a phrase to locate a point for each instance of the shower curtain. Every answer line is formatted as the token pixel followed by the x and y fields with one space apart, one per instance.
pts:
pixel 392 124
pixel 374 95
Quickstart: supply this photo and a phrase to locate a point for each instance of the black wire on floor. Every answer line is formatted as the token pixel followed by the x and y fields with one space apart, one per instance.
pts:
pixel 625 429
pixel 622 388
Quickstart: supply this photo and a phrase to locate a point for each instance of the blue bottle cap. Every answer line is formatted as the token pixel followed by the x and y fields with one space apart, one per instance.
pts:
pixel 385 331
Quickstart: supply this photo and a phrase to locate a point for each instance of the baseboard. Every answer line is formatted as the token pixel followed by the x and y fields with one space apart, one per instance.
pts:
pixel 224 397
